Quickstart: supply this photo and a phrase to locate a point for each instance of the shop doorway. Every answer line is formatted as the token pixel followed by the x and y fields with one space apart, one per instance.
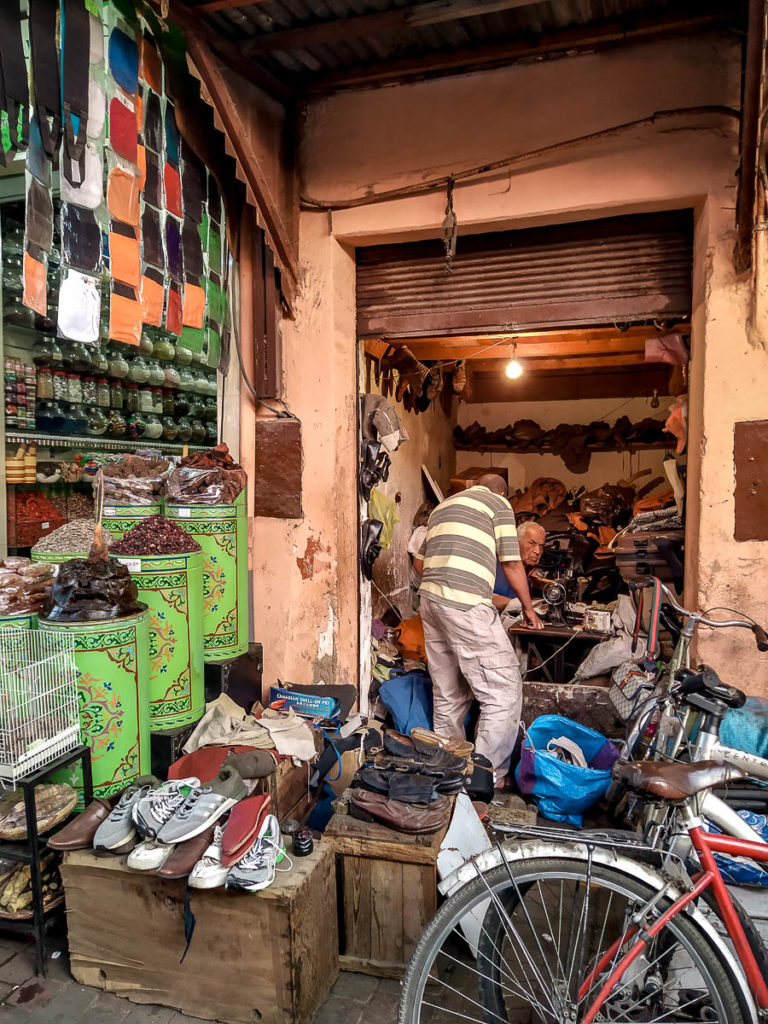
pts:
pixel 557 357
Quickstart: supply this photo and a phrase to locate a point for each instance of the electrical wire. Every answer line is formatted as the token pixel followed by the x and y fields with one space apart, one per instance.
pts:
pixel 733 611
pixel 554 654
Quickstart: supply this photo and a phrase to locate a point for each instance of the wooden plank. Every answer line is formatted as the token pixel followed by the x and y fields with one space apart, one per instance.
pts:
pixel 604 33
pixel 222 5
pixel 272 348
pixel 589 362
pixel 546 387
pixel 357 838
pixel 387 911
pixel 258 291
pixel 419 903
pixel 356 894
pixel 377 968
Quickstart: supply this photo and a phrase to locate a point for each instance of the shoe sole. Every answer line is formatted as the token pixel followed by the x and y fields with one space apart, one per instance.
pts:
pixel 144 866
pixel 220 810
pixel 426 744
pixel 206 883
pixel 118 849
pixel 251 888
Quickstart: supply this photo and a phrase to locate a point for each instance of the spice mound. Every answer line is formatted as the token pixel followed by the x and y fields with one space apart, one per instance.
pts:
pixel 155 536
pixel 24 585
pixel 70 539
pixel 135 480
pixel 89 589
pixel 206 478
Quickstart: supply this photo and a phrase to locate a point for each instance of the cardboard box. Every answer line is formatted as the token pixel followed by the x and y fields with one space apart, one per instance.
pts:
pixel 469 477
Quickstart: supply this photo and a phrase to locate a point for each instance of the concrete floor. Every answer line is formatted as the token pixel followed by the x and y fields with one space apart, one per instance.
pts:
pixel 58 999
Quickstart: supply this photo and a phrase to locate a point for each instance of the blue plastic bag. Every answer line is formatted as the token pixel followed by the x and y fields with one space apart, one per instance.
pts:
pixel 742 870
pixel 561 791
pixel 747 728
pixel 408 697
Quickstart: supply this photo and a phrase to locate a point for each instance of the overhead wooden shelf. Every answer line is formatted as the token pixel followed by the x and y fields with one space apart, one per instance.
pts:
pixel 503 449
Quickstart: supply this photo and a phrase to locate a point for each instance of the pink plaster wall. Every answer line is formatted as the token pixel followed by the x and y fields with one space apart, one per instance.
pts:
pixel 356 142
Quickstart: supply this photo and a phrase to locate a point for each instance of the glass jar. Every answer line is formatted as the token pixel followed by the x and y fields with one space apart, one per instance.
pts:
pixel 183 356
pixel 49 418
pixel 116 394
pixel 211 410
pixel 102 392
pixel 12 273
pixel 170 430
pixel 135 426
pixel 164 349
pixel 138 370
pixel 198 432
pixel 199 384
pixel 146 400
pixel 168 403
pixel 185 430
pixel 156 373
pixel 157 401
pixel 118 364
pixel 186 379
pixel 172 377
pixel 99 362
pixel 47 353
pixel 97 421
pixel 211 434
pixel 89 390
pixel 131 403
pixel 75 419
pixel 146 345
pixel 154 428
pixel 196 406
pixel 213 389
pixel 45 382
pixel 181 404
pixel 60 388
pixel 77 357
pixel 74 388
pixel 116 425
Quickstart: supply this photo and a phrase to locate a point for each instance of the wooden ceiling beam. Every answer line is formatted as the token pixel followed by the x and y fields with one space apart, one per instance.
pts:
pixel 211 6
pixel 553 388
pixel 608 33
pixel 562 362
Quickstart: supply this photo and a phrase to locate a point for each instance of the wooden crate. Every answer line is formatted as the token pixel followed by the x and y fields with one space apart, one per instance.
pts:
pixel 269 957
pixel 289 790
pixel 388 893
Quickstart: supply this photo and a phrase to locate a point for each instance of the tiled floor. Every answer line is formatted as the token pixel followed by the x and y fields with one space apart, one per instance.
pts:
pixel 58 999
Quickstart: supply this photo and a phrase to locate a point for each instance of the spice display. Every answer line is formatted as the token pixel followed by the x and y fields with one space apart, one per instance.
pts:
pixel 155 536
pixel 131 403
pixel 135 480
pixel 72 538
pixel 118 364
pixel 184 434
pixel 116 395
pixel 156 373
pixel 146 401
pixel 168 403
pixel 102 392
pixel 79 506
pixel 138 370
pixel 44 382
pixel 60 390
pixel 74 388
pixel 171 376
pixel 206 478
pixel 92 589
pixel 24 585
pixel 89 390
pixel 157 401
pixel 170 429
pixel 154 428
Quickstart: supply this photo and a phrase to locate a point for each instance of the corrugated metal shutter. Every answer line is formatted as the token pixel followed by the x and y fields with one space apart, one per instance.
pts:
pixel 617 270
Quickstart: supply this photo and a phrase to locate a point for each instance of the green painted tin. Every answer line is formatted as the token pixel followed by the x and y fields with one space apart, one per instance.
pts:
pixel 113 693
pixel 222 533
pixel 172 588
pixel 24 620
pixel 119 519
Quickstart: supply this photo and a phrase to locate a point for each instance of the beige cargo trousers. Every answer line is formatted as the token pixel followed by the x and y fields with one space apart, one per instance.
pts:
pixel 469 655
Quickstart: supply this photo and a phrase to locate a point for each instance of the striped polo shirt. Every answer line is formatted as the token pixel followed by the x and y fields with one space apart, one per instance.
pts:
pixel 467 534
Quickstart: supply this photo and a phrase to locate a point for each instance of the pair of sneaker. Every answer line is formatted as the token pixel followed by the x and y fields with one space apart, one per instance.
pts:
pixel 256 870
pixel 164 814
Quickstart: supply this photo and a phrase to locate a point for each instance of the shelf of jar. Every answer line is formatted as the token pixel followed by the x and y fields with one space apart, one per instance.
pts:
pixel 97 441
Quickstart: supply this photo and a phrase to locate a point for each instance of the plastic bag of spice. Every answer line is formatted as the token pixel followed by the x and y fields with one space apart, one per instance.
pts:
pixel 135 480
pixel 24 586
pixel 89 589
pixel 206 478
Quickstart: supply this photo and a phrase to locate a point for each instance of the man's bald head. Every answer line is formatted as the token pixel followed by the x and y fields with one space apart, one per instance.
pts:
pixel 532 537
pixel 494 483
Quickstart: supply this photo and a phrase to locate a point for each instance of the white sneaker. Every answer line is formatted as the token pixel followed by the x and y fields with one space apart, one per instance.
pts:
pixel 257 868
pixel 159 805
pixel 209 872
pixel 149 855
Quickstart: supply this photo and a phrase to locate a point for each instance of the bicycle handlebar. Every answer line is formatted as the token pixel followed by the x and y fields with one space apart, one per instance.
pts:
pixel 761 637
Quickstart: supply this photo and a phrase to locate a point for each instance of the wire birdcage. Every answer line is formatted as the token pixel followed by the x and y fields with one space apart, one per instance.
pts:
pixel 39 715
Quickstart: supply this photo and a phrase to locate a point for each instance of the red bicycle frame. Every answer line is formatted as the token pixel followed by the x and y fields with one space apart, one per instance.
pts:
pixel 705 844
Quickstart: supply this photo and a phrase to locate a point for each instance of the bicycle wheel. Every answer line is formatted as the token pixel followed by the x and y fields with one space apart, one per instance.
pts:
pixel 540 938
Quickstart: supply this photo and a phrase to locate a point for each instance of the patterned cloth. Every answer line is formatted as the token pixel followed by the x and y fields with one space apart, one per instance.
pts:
pixel 466 535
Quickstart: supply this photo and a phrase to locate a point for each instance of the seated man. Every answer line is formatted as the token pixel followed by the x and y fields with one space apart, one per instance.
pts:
pixel 531 537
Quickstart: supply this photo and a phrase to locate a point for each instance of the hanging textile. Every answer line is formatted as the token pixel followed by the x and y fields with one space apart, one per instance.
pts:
pixel 75 48
pixel 45 72
pixel 14 84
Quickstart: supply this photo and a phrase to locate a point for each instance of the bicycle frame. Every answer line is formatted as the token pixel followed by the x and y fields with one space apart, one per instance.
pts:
pixel 705 844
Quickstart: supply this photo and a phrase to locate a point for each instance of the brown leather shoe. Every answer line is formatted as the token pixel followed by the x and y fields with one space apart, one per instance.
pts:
pixel 79 833
pixel 186 855
pixel 399 816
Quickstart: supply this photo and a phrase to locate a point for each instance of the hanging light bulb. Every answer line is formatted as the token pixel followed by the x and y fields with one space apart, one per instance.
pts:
pixel 514 369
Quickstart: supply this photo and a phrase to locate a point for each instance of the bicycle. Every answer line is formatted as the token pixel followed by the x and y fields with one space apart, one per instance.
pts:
pixel 564 927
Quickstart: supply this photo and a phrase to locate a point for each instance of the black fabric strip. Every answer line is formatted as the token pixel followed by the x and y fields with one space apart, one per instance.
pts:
pixel 45 70
pixel 124 290
pixel 154 275
pixel 118 228
pixel 14 84
pixel 74 62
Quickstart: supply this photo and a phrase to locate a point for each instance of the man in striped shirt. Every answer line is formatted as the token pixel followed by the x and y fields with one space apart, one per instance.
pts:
pixel 468 651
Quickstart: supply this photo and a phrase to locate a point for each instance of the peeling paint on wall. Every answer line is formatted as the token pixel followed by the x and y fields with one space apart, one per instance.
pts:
pixel 325 640
pixel 309 562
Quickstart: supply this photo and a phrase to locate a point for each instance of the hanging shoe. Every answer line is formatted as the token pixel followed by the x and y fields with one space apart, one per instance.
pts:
pixel 459 381
pixel 369 470
pixel 370 548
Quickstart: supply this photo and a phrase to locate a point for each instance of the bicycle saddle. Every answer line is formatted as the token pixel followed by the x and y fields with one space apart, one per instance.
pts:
pixel 675 781
pixel 709 683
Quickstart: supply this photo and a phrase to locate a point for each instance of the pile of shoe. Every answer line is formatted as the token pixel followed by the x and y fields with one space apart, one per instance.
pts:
pixel 215 834
pixel 406 785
